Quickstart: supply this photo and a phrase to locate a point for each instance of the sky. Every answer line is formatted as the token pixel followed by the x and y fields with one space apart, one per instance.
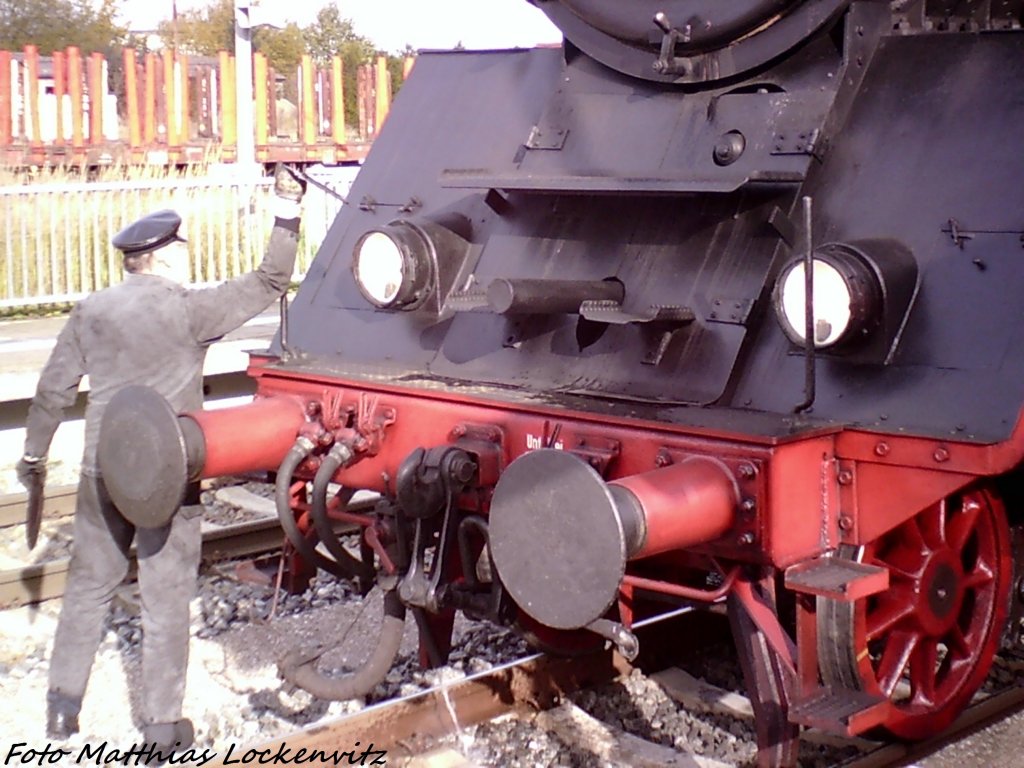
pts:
pixel 391 24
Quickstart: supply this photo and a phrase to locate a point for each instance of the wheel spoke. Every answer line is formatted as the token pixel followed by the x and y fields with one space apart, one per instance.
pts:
pixel 894 660
pixel 887 614
pixel 981 576
pixel 932 525
pixel 957 644
pixel 962 526
pixel 923 671
pixel 913 536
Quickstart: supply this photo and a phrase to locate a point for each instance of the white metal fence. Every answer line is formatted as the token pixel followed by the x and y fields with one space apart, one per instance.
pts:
pixel 55 239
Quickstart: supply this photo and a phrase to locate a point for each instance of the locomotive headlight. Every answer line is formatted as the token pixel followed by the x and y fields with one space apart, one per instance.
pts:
pixel 392 266
pixel 846 297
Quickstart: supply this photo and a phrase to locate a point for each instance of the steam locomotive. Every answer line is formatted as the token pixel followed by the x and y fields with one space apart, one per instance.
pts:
pixel 715 303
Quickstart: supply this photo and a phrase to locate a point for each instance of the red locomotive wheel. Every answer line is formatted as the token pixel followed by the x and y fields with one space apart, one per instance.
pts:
pixel 927 642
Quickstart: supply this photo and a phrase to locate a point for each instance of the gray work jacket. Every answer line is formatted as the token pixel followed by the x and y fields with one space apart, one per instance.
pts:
pixel 149 330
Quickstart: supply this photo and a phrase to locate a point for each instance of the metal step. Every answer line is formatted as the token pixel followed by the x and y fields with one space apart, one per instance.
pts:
pixel 837 579
pixel 840 710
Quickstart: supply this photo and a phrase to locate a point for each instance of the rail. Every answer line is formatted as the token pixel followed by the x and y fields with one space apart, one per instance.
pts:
pixel 46 579
pixel 60 502
pixel 56 237
pixel 404 727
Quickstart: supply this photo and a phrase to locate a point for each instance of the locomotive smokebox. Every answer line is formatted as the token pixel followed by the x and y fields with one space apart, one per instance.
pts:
pixel 148 454
pixel 561 535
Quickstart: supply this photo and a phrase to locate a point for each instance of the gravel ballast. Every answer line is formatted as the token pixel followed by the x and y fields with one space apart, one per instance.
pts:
pixel 240 628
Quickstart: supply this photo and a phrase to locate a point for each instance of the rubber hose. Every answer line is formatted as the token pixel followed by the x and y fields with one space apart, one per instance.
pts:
pixel 351 567
pixel 282 496
pixel 299 667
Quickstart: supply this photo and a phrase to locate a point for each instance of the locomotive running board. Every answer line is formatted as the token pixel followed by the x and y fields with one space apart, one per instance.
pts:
pixel 837 579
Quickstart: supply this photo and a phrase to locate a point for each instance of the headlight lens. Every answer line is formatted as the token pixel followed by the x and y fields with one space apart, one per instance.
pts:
pixel 847 298
pixel 379 268
pixel 392 266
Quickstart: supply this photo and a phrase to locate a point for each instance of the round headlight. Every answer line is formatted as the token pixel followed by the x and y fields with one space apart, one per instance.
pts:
pixel 846 293
pixel 391 266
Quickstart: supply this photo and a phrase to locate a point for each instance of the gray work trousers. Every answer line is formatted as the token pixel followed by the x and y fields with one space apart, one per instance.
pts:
pixel 168 562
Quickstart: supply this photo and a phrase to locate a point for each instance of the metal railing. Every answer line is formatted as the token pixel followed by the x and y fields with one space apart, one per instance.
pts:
pixel 55 239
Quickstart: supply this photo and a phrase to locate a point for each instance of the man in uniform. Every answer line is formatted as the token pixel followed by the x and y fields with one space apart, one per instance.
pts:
pixel 150 330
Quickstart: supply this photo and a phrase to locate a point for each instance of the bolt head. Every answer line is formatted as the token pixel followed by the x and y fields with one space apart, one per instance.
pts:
pixel 729 147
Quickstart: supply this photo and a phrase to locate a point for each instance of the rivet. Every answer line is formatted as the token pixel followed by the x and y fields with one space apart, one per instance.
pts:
pixel 748 506
pixel 941 454
pixel 662 460
pixel 846 522
pixel 845 477
pixel 882 449
pixel 729 148
pixel 747 471
pixel 747 539
pixel 459 430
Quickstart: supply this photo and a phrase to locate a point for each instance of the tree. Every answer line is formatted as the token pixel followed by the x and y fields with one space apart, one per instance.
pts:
pixel 201 32
pixel 207 31
pixel 396 68
pixel 53 25
pixel 332 35
pixel 283 48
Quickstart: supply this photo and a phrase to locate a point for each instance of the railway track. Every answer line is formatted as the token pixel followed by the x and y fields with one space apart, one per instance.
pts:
pixel 535 689
pixel 403 728
pixel 974 719
pixel 45 580
pixel 406 730
pixel 60 502
pixel 699 696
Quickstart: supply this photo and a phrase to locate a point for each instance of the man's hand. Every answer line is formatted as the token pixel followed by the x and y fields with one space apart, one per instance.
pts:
pixel 288 184
pixel 31 470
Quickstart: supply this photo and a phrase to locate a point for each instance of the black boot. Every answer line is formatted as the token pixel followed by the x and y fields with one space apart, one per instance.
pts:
pixel 169 737
pixel 61 715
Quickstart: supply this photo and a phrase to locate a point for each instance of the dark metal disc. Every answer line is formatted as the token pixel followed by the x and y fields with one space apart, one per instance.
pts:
pixel 142 456
pixel 717 40
pixel 705 21
pixel 557 539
